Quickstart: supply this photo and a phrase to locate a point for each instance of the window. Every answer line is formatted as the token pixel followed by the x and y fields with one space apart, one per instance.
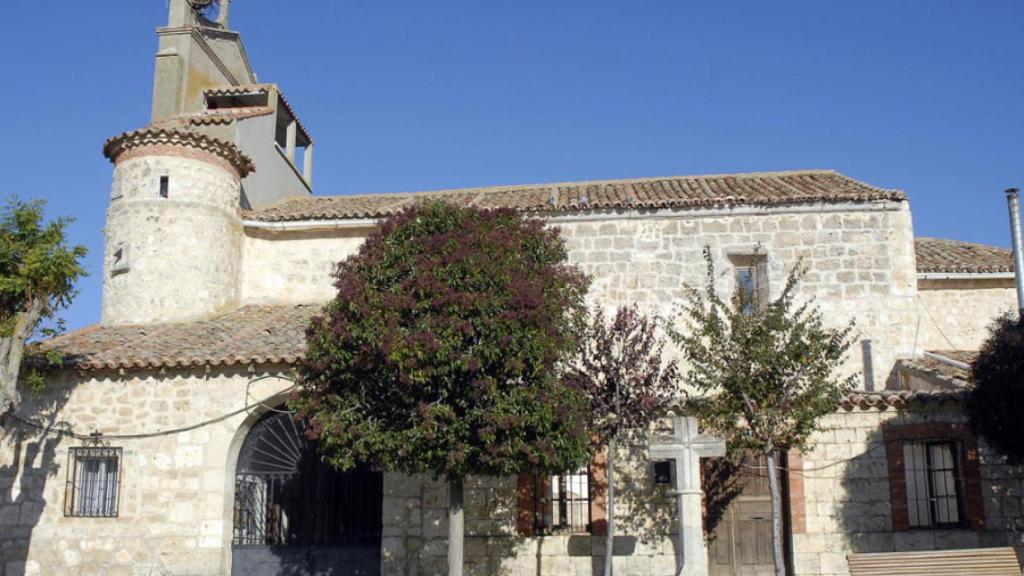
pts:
pixel 751 279
pixel 93 480
pixel 562 503
pixel 934 476
pixel 933 484
pixel 165 186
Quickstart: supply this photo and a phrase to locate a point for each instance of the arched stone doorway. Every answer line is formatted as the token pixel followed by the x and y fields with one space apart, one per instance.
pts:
pixel 296 516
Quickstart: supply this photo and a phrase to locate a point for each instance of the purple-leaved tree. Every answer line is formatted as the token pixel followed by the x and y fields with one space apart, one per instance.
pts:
pixel 441 353
pixel 627 382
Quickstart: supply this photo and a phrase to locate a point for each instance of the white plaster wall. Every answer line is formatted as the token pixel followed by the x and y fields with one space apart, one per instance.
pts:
pixel 274 178
pixel 184 251
pixel 956 314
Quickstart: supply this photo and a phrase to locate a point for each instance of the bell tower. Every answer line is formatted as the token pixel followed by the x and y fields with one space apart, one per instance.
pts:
pixel 197 51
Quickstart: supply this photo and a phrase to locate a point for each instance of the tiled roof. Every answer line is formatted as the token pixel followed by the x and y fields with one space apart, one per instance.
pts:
pixel 184 137
pixel 937 255
pixel 945 373
pixel 760 189
pixel 216 116
pixel 248 335
pixel 260 89
pixel 902 398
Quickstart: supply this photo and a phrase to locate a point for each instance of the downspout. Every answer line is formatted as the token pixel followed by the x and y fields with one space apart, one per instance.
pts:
pixel 1013 201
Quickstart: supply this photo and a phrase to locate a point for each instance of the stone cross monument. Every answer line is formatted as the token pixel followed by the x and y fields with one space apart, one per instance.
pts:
pixel 686 446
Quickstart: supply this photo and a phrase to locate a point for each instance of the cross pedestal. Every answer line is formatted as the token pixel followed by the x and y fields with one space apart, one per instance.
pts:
pixel 686 446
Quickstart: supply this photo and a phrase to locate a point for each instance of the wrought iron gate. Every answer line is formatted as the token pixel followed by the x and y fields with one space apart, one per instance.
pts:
pixel 296 515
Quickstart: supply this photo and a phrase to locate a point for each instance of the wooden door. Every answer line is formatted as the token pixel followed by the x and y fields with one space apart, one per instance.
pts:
pixel 742 541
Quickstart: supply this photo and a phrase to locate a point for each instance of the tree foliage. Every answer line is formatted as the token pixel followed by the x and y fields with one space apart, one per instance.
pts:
pixel 440 352
pixel 38 271
pixel 995 404
pixel 628 384
pixel 765 372
pixel 622 371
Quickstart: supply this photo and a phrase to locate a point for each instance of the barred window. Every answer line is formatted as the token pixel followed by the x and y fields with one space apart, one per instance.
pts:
pixel 562 502
pixel 93 482
pixel 933 484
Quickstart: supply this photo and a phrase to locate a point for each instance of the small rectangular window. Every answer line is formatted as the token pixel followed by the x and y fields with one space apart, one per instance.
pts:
pixel 933 484
pixel 562 503
pixel 165 186
pixel 93 482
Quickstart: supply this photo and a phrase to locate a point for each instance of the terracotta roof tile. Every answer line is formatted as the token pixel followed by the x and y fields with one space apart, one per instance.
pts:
pixel 941 371
pixel 216 116
pixel 758 189
pixel 260 89
pixel 901 398
pixel 248 335
pixel 936 255
pixel 185 137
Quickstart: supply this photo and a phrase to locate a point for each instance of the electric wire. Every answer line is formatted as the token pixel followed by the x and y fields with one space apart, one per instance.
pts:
pixel 65 429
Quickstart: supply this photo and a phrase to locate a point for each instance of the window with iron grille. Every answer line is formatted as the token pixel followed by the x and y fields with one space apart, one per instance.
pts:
pixel 94 478
pixel 933 484
pixel 562 502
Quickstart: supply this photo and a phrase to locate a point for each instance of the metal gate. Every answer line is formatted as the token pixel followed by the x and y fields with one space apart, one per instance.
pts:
pixel 296 515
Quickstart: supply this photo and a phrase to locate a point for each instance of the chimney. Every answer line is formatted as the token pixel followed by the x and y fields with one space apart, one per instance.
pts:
pixel 1013 200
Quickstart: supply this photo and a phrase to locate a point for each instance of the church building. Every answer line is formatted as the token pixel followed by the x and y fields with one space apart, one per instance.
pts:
pixel 163 447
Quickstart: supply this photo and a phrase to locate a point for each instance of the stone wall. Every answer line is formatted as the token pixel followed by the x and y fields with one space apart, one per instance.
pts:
pixel 955 314
pixel 847 494
pixel 859 258
pixel 294 267
pixel 175 489
pixel 416 528
pixel 183 253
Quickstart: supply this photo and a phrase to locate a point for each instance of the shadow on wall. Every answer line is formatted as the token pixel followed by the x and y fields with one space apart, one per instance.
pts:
pixel 23 477
pixel 861 509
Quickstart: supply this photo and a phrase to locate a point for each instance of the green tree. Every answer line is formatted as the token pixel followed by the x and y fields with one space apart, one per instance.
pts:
pixel 995 404
pixel 38 271
pixel 627 383
pixel 765 372
pixel 442 350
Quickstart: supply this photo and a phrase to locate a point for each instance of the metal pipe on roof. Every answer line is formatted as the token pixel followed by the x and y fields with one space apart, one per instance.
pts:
pixel 948 361
pixel 868 356
pixel 1013 202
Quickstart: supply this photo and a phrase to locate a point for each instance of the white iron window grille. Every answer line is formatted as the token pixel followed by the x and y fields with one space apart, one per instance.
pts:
pixel 93 485
pixel 933 484
pixel 562 503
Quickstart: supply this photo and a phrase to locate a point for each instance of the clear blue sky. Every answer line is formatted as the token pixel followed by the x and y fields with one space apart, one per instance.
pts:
pixel 925 96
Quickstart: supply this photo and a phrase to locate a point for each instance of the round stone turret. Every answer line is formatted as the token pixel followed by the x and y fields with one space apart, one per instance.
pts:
pixel 174 228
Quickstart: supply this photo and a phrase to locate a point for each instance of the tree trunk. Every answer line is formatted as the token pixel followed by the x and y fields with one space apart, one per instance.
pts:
pixel 610 536
pixel 773 487
pixel 456 526
pixel 12 348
